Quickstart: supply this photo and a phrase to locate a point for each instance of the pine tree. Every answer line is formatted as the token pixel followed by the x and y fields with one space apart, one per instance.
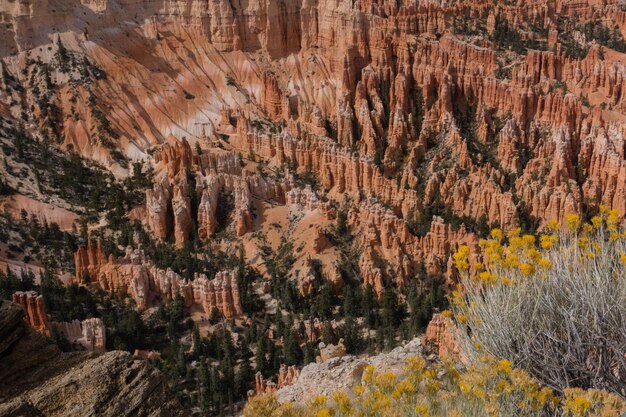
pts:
pixel 181 362
pixel 243 378
pixel 309 354
pixel 351 336
pixel 416 306
pixel 274 357
pixel 260 357
pixel 216 399
pixel 196 340
pixel 349 303
pixel 389 318
pixel 327 334
pixel 325 301
pixel 369 305
pixel 244 349
pixel 291 349
pixel 204 386
pixel 178 308
pixel 62 56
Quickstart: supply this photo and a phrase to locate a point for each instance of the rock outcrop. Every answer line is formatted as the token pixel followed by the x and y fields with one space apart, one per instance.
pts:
pixel 440 333
pixel 343 373
pixel 287 375
pixel 88 260
pixel 88 334
pixel 35 378
pixel 34 312
pixel 328 352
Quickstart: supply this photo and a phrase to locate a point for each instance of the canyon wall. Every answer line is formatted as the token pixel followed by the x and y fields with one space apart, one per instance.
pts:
pixel 417 112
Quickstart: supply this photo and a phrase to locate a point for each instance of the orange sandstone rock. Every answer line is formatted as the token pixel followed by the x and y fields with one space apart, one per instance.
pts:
pixel 34 312
pixel 440 333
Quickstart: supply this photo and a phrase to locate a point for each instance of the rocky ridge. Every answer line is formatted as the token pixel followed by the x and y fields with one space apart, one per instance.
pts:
pixel 35 378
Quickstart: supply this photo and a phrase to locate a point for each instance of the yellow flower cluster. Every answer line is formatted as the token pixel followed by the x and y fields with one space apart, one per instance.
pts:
pixel 591 403
pixel 489 388
pixel 508 258
pixel 461 258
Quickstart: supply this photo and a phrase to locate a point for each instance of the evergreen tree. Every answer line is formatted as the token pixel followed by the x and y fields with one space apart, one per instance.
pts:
pixel 415 302
pixel 260 358
pixel 351 336
pixel 418 111
pixel 244 349
pixel 216 397
pixel 369 305
pixel 327 334
pixel 204 386
pixel 325 301
pixel 274 357
pixel 309 354
pixel 390 317
pixel 243 378
pixel 178 308
pixel 196 340
pixel 291 349
pixel 63 57
pixel 349 302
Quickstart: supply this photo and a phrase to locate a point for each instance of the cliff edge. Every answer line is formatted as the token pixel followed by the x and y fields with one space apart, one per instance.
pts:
pixel 37 379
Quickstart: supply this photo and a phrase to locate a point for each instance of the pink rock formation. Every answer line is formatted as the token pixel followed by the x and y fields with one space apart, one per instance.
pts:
pixel 34 312
pixel 89 334
pixel 271 96
pixel 330 88
pixel 87 261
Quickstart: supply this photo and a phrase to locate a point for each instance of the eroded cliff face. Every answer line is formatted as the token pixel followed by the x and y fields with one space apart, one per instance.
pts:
pixel 35 378
pixel 411 109
pixel 443 335
pixel 148 285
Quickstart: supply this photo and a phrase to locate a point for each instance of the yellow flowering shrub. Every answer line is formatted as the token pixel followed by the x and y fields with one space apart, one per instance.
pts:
pixel 580 403
pixel 530 294
pixel 489 388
